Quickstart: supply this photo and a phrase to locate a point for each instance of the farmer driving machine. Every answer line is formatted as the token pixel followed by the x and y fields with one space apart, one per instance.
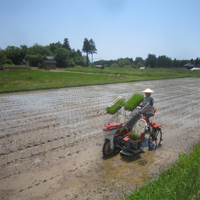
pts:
pixel 128 134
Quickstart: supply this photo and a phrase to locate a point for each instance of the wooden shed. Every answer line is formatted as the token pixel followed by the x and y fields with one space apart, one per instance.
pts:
pixel 49 64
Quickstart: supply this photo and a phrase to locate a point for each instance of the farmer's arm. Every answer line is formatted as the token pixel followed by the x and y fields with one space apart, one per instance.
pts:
pixel 151 101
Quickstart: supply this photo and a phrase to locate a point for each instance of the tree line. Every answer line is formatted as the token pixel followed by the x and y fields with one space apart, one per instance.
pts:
pixel 64 55
pixel 151 61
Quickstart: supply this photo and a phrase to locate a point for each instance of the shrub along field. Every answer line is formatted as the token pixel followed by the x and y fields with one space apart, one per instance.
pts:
pixel 18 80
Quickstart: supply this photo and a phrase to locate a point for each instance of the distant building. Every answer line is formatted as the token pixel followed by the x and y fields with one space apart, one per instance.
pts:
pixel 49 64
pixel 50 57
pixel 189 66
pixel 99 66
pixel 195 68
pixel 142 67
pixel 23 62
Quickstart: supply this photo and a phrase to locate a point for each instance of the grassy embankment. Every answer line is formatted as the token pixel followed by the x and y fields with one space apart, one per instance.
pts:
pixel 147 74
pixel 181 181
pixel 17 80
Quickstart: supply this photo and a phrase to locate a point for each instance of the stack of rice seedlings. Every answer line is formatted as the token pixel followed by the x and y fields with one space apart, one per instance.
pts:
pixel 133 136
pixel 115 105
pixel 133 102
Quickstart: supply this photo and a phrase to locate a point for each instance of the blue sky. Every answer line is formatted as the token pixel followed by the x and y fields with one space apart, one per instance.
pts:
pixel 119 28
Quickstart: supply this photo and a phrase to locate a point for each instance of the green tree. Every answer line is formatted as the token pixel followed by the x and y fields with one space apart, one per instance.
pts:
pixel 66 44
pixel 114 65
pixel 24 47
pixel 54 46
pixel 140 64
pixel 178 63
pixel 86 48
pixel 92 49
pixel 34 60
pixel 196 62
pixel 168 62
pixel 78 58
pixel 24 50
pixel 164 62
pixel 15 54
pixel 161 62
pixel 183 62
pixel 130 59
pixel 175 63
pixel 138 59
pixel 39 49
pixel 123 62
pixel 79 52
pixel 61 55
pixel 151 60
pixel 3 57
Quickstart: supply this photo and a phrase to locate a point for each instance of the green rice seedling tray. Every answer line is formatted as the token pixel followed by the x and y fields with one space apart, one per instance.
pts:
pixel 133 102
pixel 133 136
pixel 114 108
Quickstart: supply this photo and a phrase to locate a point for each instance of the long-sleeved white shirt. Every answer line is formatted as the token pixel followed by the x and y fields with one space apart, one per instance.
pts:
pixel 149 108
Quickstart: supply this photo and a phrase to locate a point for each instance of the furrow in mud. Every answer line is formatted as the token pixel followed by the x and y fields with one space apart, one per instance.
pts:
pixel 59 133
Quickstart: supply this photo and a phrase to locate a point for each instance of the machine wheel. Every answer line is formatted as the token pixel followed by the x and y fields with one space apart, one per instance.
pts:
pixel 155 139
pixel 159 137
pixel 106 148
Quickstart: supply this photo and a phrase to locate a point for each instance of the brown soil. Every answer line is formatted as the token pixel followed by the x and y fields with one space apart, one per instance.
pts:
pixel 51 141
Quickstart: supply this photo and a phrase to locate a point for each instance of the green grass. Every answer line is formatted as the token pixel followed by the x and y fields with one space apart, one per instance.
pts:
pixel 138 74
pixel 112 110
pixel 133 102
pixel 18 80
pixel 181 181
pixel 8 65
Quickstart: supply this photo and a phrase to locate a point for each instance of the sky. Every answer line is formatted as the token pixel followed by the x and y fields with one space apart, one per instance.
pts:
pixel 119 28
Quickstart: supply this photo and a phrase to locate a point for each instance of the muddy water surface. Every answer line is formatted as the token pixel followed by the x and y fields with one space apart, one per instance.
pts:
pixel 51 141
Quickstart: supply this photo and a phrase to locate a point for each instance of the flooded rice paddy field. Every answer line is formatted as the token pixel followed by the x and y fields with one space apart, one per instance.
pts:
pixel 51 141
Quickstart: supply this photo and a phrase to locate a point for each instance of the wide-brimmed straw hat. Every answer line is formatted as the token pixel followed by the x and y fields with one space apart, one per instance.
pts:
pixel 148 91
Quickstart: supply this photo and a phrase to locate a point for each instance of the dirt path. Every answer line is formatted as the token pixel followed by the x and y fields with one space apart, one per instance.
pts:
pixel 51 141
